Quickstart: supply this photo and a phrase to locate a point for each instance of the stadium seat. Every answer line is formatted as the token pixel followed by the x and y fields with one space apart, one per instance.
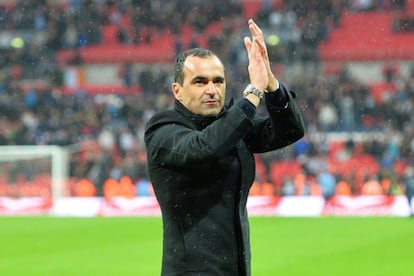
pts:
pixel 366 36
pixel 281 169
pixel 109 35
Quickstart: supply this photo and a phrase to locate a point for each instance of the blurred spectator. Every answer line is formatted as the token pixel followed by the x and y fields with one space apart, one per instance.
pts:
pixel 408 183
pixel 328 117
pixel 372 187
pixel 328 183
pixel 288 187
pixel 343 188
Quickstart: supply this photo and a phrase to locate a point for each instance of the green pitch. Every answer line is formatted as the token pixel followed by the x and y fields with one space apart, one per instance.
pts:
pixel 280 246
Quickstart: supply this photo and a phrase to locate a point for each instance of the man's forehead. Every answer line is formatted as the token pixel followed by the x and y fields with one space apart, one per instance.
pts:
pixel 203 65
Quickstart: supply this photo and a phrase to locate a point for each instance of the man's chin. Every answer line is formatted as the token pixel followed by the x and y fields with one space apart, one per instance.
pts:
pixel 211 112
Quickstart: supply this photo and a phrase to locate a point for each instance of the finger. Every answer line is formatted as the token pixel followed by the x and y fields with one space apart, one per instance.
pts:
pixel 256 48
pixel 260 40
pixel 248 44
pixel 255 29
pixel 262 45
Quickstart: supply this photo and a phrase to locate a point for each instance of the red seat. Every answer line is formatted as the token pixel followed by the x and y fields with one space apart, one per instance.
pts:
pixel 281 169
pixel 109 35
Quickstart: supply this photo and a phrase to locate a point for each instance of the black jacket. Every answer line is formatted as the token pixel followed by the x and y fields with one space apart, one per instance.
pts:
pixel 201 169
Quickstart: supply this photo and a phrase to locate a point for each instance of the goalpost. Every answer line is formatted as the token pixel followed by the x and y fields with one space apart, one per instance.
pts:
pixel 33 171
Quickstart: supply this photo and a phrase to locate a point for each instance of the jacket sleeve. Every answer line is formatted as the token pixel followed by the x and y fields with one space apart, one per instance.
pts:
pixel 172 140
pixel 283 127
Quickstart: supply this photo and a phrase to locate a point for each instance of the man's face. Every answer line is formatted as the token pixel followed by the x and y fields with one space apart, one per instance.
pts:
pixel 204 86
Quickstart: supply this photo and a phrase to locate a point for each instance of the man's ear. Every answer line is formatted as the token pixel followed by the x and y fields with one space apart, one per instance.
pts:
pixel 176 89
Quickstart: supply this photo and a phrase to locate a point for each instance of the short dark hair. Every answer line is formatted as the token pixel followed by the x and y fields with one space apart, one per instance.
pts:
pixel 179 61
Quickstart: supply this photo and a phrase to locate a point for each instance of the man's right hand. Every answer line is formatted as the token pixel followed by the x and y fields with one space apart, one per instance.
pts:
pixel 273 83
pixel 258 71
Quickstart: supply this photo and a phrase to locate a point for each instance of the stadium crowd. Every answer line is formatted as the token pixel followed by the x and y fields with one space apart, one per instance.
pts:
pixel 105 134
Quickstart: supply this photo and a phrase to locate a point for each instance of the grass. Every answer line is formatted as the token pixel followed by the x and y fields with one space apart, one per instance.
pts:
pixel 280 246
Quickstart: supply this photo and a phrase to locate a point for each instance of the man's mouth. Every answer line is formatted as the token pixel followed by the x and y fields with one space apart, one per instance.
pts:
pixel 211 101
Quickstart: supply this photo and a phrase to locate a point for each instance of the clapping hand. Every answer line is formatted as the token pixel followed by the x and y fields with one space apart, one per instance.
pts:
pixel 255 48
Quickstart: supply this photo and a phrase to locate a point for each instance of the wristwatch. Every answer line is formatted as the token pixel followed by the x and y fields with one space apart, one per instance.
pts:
pixel 251 89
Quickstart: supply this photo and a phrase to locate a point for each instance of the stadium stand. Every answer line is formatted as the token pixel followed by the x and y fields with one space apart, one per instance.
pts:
pixel 105 121
pixel 367 36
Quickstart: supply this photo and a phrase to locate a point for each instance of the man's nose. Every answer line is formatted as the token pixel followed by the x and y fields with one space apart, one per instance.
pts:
pixel 211 88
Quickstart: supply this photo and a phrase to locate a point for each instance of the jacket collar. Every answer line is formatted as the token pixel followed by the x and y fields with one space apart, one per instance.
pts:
pixel 199 121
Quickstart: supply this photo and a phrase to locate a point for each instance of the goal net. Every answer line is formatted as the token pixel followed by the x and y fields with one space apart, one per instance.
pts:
pixel 33 171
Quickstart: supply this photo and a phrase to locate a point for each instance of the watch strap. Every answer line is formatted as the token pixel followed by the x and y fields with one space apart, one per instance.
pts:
pixel 253 90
